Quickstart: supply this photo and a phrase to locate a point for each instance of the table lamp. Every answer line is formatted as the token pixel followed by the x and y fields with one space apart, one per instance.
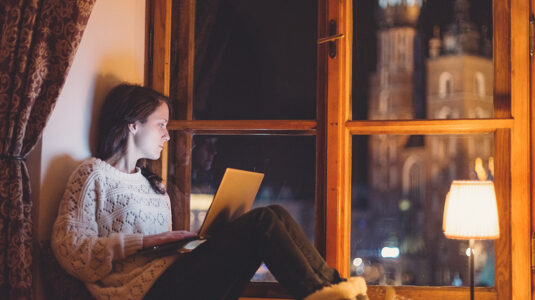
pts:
pixel 471 213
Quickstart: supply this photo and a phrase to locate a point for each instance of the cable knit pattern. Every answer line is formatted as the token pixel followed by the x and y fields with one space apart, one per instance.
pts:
pixel 102 218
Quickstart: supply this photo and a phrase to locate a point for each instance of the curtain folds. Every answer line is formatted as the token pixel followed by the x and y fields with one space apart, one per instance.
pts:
pixel 37 45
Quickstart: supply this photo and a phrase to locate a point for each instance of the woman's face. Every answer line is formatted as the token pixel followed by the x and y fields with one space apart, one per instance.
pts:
pixel 150 136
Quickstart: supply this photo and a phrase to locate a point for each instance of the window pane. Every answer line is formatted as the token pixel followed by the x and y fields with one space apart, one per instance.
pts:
pixel 423 60
pixel 288 163
pixel 176 181
pixel 255 59
pixel 399 187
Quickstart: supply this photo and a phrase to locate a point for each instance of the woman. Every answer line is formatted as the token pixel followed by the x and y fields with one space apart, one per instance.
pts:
pixel 112 208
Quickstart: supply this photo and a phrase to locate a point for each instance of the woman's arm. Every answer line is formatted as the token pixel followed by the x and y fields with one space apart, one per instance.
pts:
pixel 75 240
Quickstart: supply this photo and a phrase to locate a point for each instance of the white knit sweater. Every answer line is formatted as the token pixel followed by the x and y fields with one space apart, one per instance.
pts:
pixel 102 218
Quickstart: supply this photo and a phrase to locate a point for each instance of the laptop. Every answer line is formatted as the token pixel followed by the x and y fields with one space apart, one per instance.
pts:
pixel 234 197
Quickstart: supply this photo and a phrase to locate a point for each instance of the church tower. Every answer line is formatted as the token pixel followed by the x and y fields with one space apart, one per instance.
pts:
pixel 409 175
pixel 393 157
pixel 459 85
pixel 392 87
pixel 460 70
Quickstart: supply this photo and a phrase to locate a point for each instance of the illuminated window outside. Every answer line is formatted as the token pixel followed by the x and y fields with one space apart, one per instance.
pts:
pixel 423 55
pixel 418 60
pixel 397 209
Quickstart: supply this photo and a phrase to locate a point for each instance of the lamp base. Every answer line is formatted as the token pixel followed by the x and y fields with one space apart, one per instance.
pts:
pixel 472 254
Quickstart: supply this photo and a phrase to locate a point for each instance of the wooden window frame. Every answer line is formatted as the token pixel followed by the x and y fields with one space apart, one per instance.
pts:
pixel 334 129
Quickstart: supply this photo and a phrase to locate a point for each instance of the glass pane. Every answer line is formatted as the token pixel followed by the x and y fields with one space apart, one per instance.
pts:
pixel 417 59
pixel 288 163
pixel 255 59
pixel 399 187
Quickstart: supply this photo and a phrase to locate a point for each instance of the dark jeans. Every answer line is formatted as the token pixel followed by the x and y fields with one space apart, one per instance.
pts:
pixel 222 266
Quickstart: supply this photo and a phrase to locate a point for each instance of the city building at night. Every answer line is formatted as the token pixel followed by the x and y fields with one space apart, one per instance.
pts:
pixel 409 175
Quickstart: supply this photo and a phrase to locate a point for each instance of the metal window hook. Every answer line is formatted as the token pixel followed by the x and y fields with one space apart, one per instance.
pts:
pixel 331 39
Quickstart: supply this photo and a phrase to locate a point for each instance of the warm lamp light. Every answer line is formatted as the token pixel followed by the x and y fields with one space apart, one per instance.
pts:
pixel 471 213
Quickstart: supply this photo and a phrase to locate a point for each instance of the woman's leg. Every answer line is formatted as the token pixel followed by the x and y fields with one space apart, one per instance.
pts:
pixel 218 269
pixel 286 251
pixel 222 266
pixel 315 260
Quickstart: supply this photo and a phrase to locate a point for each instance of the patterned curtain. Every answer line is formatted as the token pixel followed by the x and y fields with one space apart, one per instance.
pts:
pixel 38 41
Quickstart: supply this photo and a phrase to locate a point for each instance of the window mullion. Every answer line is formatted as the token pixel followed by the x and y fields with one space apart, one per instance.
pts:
pixel 338 139
pixel 181 72
pixel 520 148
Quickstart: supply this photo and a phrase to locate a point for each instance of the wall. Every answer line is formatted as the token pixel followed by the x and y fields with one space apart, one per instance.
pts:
pixel 112 50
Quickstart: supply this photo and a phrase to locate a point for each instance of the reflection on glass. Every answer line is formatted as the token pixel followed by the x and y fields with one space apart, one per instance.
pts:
pixel 399 187
pixel 177 165
pixel 288 164
pixel 430 60
pixel 255 59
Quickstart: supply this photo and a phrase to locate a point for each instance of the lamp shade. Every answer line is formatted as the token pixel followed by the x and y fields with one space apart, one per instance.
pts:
pixel 470 211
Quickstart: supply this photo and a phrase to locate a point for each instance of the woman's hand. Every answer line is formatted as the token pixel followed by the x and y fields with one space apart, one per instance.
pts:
pixel 166 237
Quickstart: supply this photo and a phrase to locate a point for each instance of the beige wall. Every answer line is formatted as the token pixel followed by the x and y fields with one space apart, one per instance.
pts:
pixel 112 50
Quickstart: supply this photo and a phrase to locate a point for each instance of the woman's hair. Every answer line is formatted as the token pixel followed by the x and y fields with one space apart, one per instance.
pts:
pixel 126 104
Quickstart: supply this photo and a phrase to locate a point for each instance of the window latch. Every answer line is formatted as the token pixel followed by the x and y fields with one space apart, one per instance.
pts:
pixel 331 39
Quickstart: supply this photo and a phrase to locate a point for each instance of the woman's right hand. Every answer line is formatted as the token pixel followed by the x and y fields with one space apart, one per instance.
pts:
pixel 166 237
